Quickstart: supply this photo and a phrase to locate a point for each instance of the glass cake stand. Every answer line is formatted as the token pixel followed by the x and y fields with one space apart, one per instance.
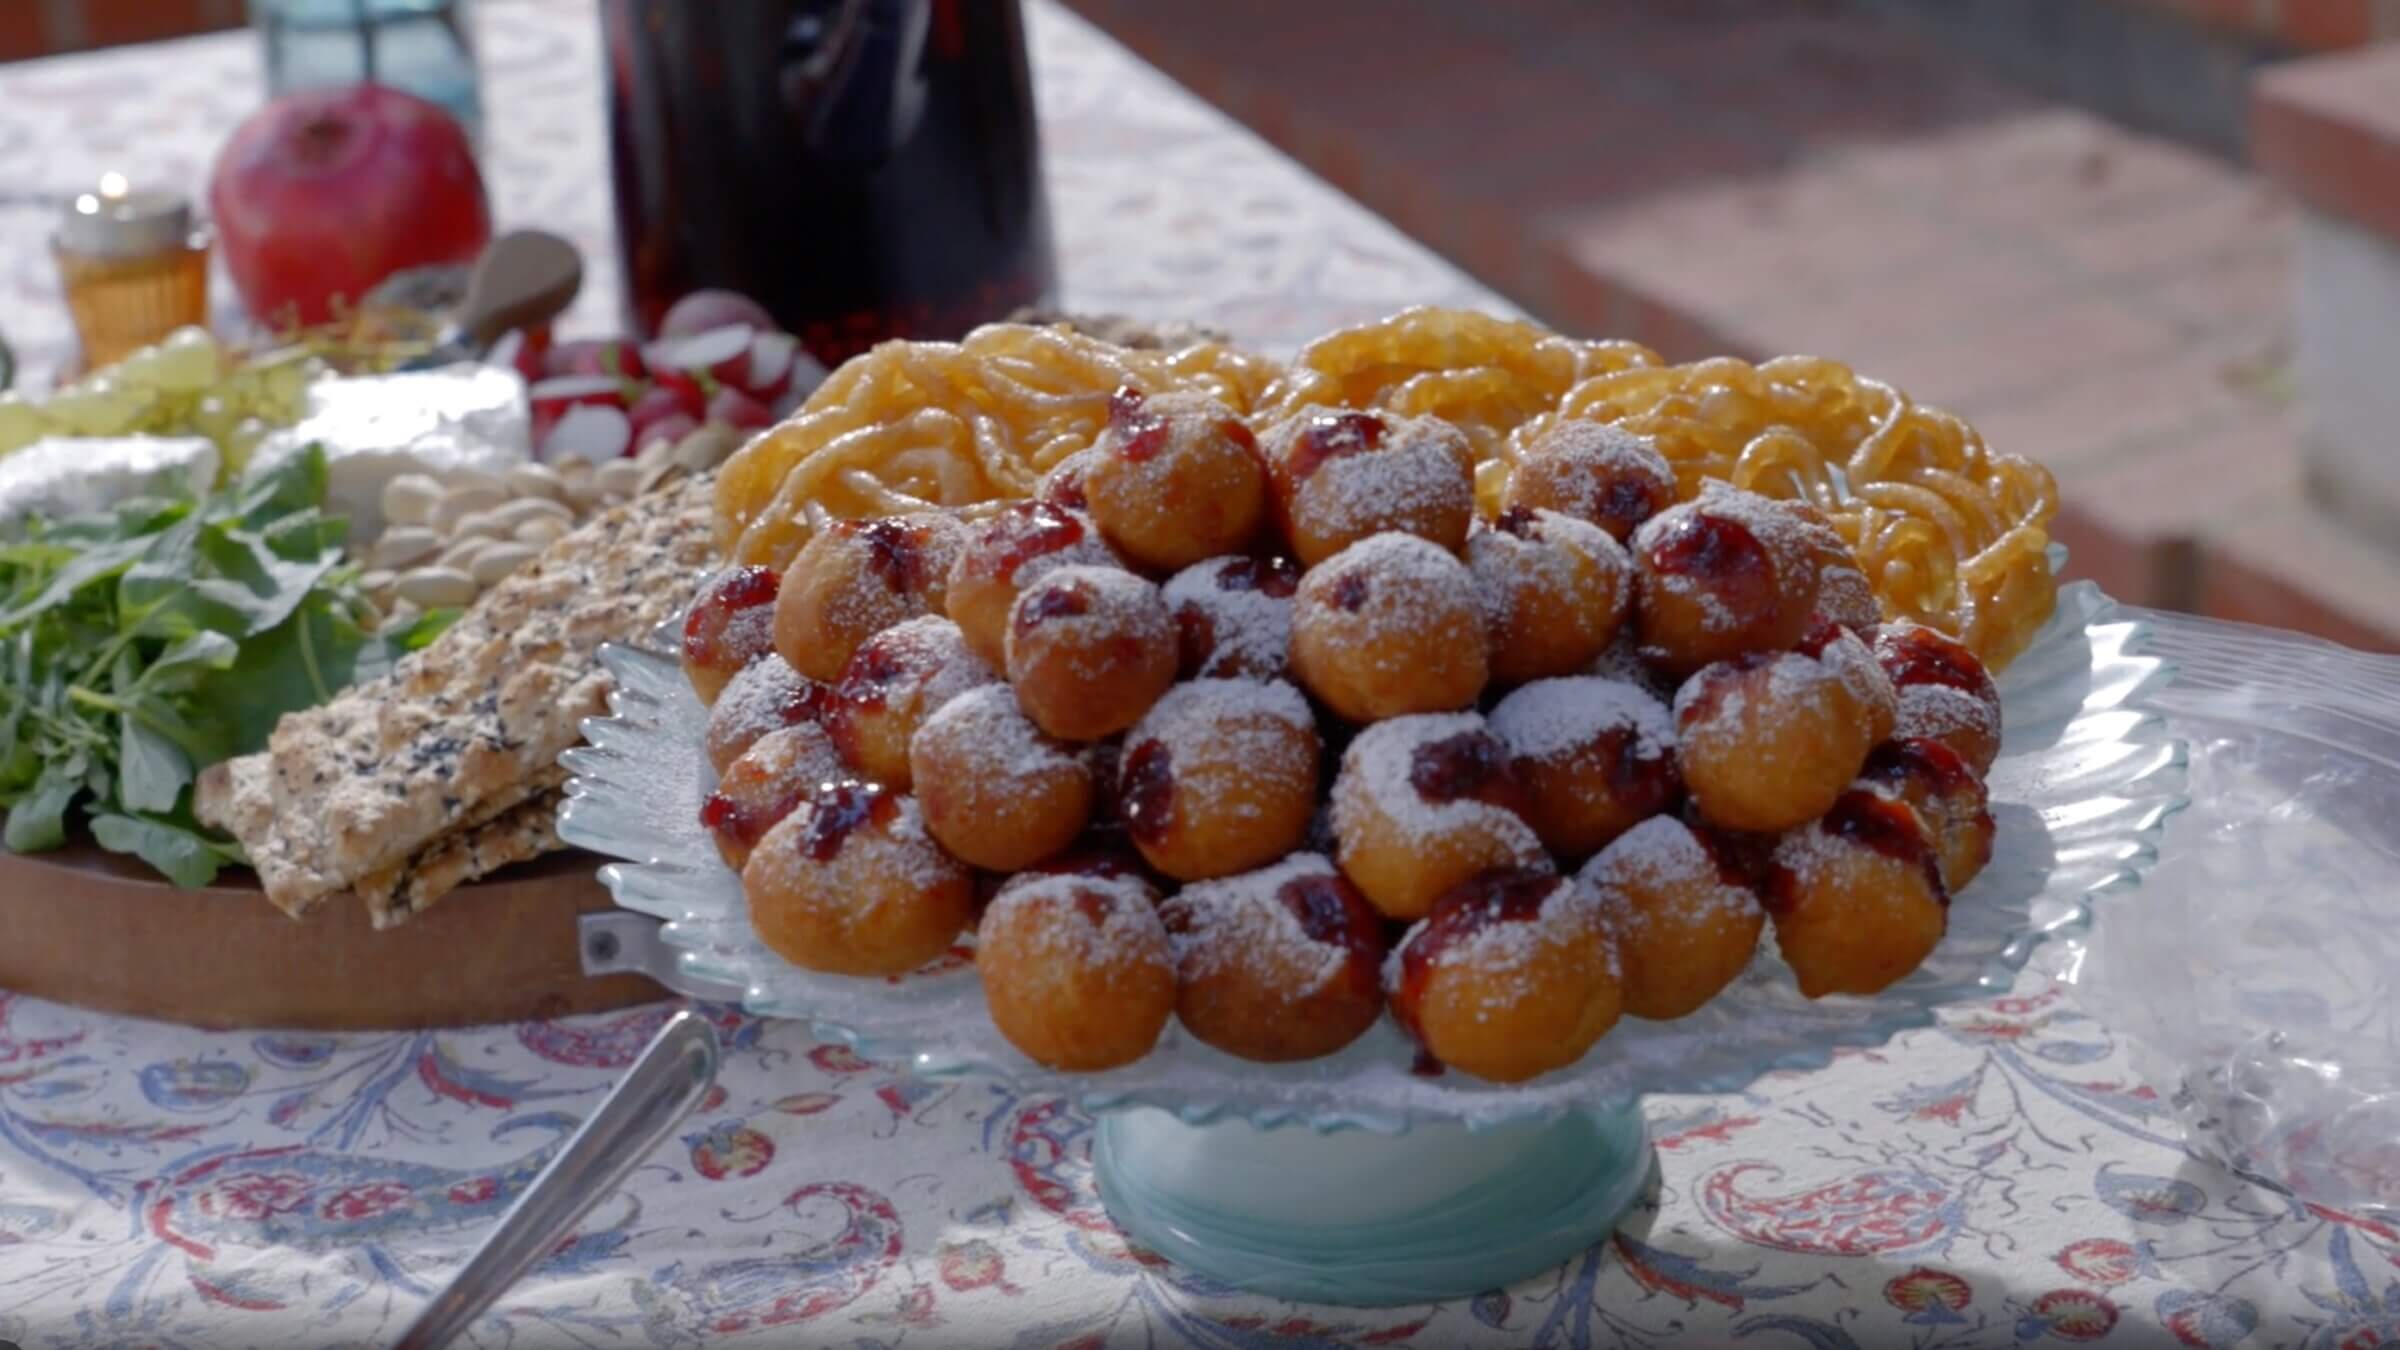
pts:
pixel 1350 1179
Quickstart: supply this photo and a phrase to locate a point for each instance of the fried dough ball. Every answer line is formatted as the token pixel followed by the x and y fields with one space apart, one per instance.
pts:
pixel 1279 964
pixel 1089 650
pixel 767 696
pixel 891 684
pixel 1423 803
pixel 1595 756
pixel 851 884
pixel 1076 969
pixel 855 578
pixel 1233 617
pixel 1220 776
pixel 1389 626
pixel 1554 591
pixel 1686 922
pixel 1857 896
pixel 1063 485
pixel 1768 740
pixel 1944 692
pixel 1512 974
pixel 1844 594
pixel 731 625
pixel 1594 472
pixel 996 792
pixel 1948 797
pixel 1727 573
pixel 766 782
pixel 1339 476
pixel 1178 479
pixel 1016 547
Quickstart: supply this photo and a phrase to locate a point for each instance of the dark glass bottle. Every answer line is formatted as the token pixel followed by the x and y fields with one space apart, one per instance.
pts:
pixel 866 169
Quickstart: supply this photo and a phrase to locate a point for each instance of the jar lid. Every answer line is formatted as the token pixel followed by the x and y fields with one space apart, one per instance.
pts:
pixel 119 222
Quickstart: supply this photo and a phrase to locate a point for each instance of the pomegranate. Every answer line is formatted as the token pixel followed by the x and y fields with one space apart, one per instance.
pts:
pixel 323 193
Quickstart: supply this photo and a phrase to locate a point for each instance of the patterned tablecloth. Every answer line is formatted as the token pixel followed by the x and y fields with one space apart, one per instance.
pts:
pixel 1998 1179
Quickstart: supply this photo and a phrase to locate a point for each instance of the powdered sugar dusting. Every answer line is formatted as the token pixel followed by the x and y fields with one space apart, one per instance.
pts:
pixel 1501 952
pixel 1599 453
pixel 987 722
pixel 754 702
pixel 1247 728
pixel 1780 531
pixel 1419 467
pixel 1376 773
pixel 1553 718
pixel 1506 564
pixel 1125 932
pixel 1936 710
pixel 901 845
pixel 1400 584
pixel 1115 604
pixel 1249 909
pixel 1250 629
pixel 935 649
pixel 1662 857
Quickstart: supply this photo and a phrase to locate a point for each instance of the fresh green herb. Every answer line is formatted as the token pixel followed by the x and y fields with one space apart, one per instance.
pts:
pixel 142 643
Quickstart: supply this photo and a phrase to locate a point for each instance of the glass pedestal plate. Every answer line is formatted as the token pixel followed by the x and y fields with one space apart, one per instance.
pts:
pixel 1350 1179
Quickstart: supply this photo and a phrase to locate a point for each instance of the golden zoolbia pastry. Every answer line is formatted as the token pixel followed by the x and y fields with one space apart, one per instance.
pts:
pixel 1279 964
pixel 1594 472
pixel 856 578
pixel 1389 626
pixel 1178 479
pixel 1857 896
pixel 1769 740
pixel 1422 804
pixel 1018 546
pixel 1686 921
pixel 1339 477
pixel 731 625
pixel 891 684
pixel 1726 573
pixel 1596 756
pixel 997 792
pixel 1089 650
pixel 850 883
pixel 1512 974
pixel 768 781
pixel 1948 797
pixel 1554 591
pixel 1944 692
pixel 1076 969
pixel 767 696
pixel 1220 776
pixel 1233 617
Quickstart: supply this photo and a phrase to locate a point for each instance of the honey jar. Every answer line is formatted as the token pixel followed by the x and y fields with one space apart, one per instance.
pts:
pixel 134 267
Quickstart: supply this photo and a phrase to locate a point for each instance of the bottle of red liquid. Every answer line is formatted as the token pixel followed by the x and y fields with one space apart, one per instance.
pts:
pixel 866 169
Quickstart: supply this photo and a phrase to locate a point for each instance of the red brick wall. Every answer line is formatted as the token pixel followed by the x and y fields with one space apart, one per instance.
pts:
pixel 40 27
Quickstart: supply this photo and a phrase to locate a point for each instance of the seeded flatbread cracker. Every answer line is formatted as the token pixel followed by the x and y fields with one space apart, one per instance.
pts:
pixel 527 830
pixel 367 781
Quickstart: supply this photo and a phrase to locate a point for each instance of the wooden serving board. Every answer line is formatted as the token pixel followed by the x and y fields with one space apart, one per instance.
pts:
pixel 87 927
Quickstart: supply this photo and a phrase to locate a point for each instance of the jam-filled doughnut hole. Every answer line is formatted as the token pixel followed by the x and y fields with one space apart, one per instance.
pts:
pixel 1019 545
pixel 1340 476
pixel 1949 798
pixel 768 781
pixel 1089 650
pixel 1063 484
pixel 1220 776
pixel 1686 921
pixel 855 578
pixel 891 684
pixel 1391 625
pixel 1233 617
pixel 1844 594
pixel 1857 896
pixel 1726 573
pixel 1278 964
pixel 731 625
pixel 850 883
pixel 1944 692
pixel 1595 757
pixel 1076 969
pixel 1594 472
pixel 1423 803
pixel 1768 740
pixel 1178 479
pixel 1513 973
pixel 997 792
pixel 767 696
pixel 1554 591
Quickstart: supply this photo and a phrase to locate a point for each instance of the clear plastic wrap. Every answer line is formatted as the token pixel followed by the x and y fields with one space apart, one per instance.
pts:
pixel 2257 971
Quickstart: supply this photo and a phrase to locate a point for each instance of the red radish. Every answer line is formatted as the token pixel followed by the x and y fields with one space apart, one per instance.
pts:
pixel 701 311
pixel 770 364
pixel 701 351
pixel 613 357
pixel 516 351
pixel 671 428
pixel 740 411
pixel 593 431
pixel 322 194
pixel 661 401
pixel 552 398
pixel 689 391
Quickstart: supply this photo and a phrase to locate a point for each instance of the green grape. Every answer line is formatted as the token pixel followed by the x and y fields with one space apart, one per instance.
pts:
pixel 97 406
pixel 187 361
pixel 212 416
pixel 22 422
pixel 239 442
pixel 139 369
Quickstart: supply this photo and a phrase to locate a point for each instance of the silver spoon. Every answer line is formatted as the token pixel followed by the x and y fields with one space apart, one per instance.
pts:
pixel 646 1104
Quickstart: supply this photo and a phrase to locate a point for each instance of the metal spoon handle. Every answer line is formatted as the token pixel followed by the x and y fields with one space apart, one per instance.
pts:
pixel 647 1103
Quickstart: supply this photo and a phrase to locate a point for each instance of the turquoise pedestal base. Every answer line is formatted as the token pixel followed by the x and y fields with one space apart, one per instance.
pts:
pixel 1366 1219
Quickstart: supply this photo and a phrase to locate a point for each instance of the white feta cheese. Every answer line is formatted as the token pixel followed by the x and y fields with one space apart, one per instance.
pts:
pixel 376 427
pixel 69 475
